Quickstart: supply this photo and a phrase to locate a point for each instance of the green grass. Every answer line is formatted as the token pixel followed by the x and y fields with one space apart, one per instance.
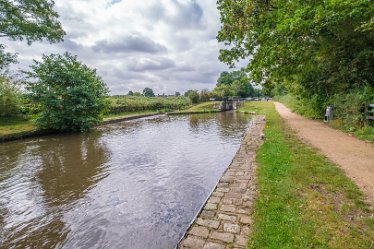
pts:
pixel 10 126
pixel 126 114
pixel 363 132
pixel 304 201
pixel 205 107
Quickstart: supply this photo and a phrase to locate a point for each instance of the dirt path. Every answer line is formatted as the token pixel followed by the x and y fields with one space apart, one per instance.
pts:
pixel 354 156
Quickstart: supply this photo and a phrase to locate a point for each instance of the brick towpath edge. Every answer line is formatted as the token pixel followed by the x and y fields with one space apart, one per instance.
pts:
pixel 225 220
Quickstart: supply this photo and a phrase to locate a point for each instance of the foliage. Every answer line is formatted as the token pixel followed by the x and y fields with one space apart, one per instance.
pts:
pixel 193 95
pixel 120 104
pixel 148 92
pixel 71 94
pixel 304 201
pixel 314 49
pixel 10 97
pixel 235 83
pixel 32 20
pixel 177 94
pixel 131 93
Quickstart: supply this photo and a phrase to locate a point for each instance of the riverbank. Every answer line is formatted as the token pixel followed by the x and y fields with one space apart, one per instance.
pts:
pixel 21 129
pixel 17 128
pixel 225 218
pixel 304 200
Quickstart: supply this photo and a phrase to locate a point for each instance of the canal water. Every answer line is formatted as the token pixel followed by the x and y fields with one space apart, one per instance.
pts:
pixel 135 184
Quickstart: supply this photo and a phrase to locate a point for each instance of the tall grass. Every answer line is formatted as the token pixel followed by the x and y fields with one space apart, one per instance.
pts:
pixel 120 104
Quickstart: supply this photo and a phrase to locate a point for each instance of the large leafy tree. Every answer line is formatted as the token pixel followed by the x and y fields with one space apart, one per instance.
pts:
pixel 313 48
pixel 73 96
pixel 148 92
pixel 30 20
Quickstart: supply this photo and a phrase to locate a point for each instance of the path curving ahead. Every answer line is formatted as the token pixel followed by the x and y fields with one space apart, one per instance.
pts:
pixel 354 156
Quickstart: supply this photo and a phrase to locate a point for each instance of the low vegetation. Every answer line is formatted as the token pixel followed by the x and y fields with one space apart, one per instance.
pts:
pixel 304 201
pixel 207 107
pixel 120 104
pixel 349 112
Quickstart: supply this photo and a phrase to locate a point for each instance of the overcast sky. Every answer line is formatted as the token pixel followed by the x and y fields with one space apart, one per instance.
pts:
pixel 168 45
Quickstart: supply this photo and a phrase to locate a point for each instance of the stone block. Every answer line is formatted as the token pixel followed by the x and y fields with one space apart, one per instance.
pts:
pixel 199 231
pixel 193 242
pixel 226 217
pixel 231 228
pixel 225 237
pixel 227 208
pixel 208 223
pixel 213 245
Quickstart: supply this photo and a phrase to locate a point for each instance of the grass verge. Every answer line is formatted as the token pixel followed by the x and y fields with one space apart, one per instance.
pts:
pixel 304 201
pixel 206 107
pixel 10 126
pixel 365 132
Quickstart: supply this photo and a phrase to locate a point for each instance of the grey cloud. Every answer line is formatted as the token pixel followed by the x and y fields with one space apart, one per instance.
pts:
pixel 189 15
pixel 146 64
pixel 131 43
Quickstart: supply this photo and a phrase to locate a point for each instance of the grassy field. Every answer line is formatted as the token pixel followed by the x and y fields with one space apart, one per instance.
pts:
pixel 304 201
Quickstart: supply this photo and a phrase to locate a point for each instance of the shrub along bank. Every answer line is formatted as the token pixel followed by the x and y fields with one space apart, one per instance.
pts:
pixel 304 201
pixel 349 111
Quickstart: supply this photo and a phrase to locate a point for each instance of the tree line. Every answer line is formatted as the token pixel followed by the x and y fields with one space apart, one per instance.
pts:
pixel 320 52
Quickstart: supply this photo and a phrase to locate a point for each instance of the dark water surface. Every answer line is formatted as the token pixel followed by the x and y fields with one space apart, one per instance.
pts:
pixel 133 185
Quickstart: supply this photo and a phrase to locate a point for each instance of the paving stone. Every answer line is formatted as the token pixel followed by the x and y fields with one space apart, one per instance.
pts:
pixel 214 200
pixel 207 214
pixel 245 220
pixel 240 240
pixel 210 206
pixel 245 230
pixel 223 190
pixel 208 223
pixel 199 231
pixel 223 185
pixel 226 201
pixel 227 208
pixel 225 237
pixel 231 228
pixel 227 179
pixel 243 210
pixel 218 194
pixel 233 195
pixel 193 242
pixel 237 202
pixel 213 245
pixel 227 217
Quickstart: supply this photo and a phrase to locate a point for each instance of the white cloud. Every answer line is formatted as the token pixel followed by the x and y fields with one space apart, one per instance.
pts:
pixel 168 45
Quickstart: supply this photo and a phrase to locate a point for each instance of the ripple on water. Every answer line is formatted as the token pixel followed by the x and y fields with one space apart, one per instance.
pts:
pixel 134 184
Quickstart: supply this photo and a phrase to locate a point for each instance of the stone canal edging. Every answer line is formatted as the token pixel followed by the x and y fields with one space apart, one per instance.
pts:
pixel 225 219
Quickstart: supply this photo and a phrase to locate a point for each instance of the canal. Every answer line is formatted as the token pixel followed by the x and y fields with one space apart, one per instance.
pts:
pixel 135 184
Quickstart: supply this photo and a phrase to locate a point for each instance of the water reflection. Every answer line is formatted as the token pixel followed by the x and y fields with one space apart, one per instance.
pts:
pixel 59 171
pixel 130 185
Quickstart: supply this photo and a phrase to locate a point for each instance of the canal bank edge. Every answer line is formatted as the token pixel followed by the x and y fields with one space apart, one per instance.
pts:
pixel 39 133
pixel 225 219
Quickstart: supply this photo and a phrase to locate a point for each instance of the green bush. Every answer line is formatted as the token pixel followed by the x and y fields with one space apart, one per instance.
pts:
pixel 10 98
pixel 119 104
pixel 350 107
pixel 72 96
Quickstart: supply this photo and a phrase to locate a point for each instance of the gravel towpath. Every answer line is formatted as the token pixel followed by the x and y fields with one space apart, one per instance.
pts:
pixel 354 156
